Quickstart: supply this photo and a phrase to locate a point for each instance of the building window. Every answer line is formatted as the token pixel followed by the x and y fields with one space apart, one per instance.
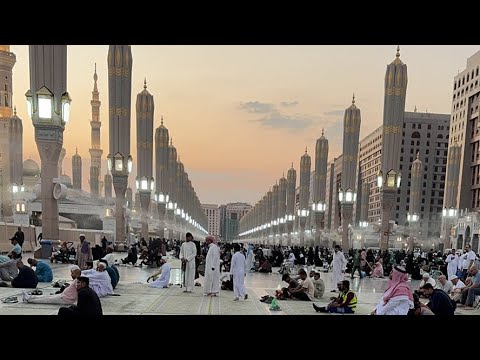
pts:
pixel 416 135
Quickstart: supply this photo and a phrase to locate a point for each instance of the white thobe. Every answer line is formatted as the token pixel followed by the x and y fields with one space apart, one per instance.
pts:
pixel 397 305
pixel 109 258
pixel 212 270
pixel 237 268
pixel 188 251
pixel 100 282
pixel 452 261
pixel 249 260
pixel 164 278
pixel 339 265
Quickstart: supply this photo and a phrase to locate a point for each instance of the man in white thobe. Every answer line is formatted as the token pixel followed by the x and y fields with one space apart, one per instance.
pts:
pixel 211 285
pixel 452 261
pixel 100 281
pixel 237 269
pixel 164 279
pixel 188 252
pixel 339 265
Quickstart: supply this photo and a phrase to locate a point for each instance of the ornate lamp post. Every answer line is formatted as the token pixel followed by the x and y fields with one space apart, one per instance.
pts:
pixel 347 198
pixel 48 105
pixel 319 210
pixel 388 188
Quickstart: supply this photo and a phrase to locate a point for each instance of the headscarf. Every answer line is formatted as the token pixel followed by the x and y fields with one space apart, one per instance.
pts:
pixel 212 238
pixel 398 285
pixel 73 267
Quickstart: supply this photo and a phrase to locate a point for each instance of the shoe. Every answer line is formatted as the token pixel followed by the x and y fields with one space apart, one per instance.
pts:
pixel 26 296
pixel 317 308
pixel 236 299
pixel 245 297
pixel 10 300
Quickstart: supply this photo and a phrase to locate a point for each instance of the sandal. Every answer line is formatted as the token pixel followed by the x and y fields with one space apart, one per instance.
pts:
pixel 10 300
pixel 36 292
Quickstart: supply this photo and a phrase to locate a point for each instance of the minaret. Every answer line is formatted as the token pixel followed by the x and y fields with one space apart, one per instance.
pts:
pixel 282 206
pixel 450 202
pixel 320 183
pixel 265 220
pixel 161 173
pixel 95 151
pixel 275 211
pixel 108 183
pixel 415 196
pixel 180 189
pixel 291 185
pixel 119 121
pixel 11 132
pixel 145 108
pixel 351 132
pixel 77 171
pixel 305 170
pixel 393 113
pixel 269 214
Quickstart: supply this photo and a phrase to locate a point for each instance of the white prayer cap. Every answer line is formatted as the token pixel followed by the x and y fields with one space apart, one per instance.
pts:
pixel 74 267
pixel 453 277
pixel 82 235
pixel 426 275
pixel 164 258
pixel 317 271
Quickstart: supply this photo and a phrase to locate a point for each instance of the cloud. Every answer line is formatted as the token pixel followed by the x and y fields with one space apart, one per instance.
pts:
pixel 334 113
pixel 257 107
pixel 278 120
pixel 289 103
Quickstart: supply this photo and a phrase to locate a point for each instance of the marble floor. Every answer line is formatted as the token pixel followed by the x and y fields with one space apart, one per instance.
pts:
pixel 136 298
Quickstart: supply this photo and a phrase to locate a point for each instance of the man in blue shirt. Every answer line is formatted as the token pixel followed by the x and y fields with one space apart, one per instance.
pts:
pixel 470 291
pixel 42 270
pixel 17 249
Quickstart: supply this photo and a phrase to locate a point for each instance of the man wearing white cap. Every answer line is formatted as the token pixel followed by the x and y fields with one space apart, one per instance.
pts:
pixel 84 252
pixel 164 273
pixel 426 278
pixel 456 293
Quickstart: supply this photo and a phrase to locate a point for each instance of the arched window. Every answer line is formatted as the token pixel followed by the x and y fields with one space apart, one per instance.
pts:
pixel 416 135
pixel 439 136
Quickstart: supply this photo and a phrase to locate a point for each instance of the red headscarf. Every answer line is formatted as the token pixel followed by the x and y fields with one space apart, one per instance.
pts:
pixel 212 238
pixel 398 285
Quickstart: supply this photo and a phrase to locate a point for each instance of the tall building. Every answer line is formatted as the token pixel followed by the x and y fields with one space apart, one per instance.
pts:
pixel 95 151
pixel 422 133
pixel 212 212
pixel 464 131
pixel 11 135
pixel 77 171
pixel 233 213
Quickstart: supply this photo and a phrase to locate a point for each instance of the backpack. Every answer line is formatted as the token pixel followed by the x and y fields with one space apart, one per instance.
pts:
pixel 85 247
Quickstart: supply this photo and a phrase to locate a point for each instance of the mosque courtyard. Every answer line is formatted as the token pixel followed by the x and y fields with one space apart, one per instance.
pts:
pixel 136 298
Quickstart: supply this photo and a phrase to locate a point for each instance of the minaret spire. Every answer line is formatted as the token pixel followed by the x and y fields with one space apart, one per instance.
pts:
pixel 95 149
pixel 15 110
pixel 161 121
pixel 398 51
pixel 353 98
pixel 323 131
pixel 145 84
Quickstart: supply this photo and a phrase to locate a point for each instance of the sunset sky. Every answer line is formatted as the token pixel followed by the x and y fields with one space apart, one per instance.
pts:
pixel 239 115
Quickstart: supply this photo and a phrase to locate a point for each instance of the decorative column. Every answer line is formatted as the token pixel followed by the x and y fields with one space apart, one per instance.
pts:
pixel 415 196
pixel 77 171
pixel 450 209
pixel 161 174
pixel 145 183
pixel 275 218
pixel 393 113
pixel 282 207
pixel 119 159
pixel 49 107
pixel 347 193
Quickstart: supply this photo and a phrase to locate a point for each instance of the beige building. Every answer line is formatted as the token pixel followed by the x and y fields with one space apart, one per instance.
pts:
pixel 213 216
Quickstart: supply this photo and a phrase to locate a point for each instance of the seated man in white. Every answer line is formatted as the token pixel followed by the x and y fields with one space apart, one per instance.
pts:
pixel 164 273
pixel 444 284
pixel 458 285
pixel 426 278
pixel 100 281
pixel 8 267
pixel 109 258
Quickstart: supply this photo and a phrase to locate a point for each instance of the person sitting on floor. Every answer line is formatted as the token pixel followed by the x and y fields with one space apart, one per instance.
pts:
pixel 458 285
pixel 378 270
pixel 100 281
pixel 304 291
pixel 111 272
pixel 345 303
pixel 440 303
pixel 67 297
pixel 164 273
pixel 318 284
pixel 42 270
pixel 284 293
pixel 265 267
pixel 17 249
pixel 26 277
pixel 419 308
pixel 426 279
pixel 88 303
pixel 109 257
pixel 8 267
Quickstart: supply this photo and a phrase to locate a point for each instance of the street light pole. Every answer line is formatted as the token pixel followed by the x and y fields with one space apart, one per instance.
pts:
pixel 49 108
